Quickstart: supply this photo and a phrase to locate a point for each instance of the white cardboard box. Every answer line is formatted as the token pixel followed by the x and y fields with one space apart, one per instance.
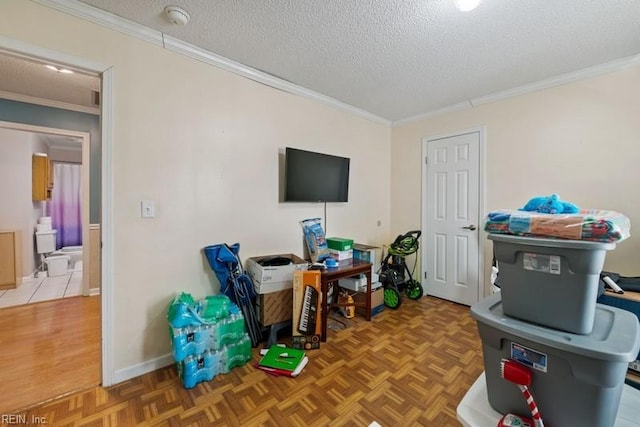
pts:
pixel 355 284
pixel 365 253
pixel 341 255
pixel 274 278
pixel 270 287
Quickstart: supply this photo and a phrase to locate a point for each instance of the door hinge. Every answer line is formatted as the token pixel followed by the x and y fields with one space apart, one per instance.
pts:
pixel 425 275
pixel 425 160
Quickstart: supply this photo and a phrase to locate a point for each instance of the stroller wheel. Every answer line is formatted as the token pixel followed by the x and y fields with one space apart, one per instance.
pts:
pixel 413 289
pixel 392 298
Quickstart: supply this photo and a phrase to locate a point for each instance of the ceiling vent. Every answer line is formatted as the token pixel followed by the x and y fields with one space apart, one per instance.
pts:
pixel 95 98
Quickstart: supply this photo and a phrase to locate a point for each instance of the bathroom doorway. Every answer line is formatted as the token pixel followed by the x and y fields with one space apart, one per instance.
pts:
pixel 65 149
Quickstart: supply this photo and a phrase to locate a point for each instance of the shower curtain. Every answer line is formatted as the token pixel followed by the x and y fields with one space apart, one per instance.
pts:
pixel 65 204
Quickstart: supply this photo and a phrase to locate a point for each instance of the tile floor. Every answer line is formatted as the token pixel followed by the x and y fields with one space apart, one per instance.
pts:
pixel 44 289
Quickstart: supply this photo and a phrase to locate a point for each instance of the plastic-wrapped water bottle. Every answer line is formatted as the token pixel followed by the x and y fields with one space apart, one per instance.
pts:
pixel 182 342
pixel 199 368
pixel 214 308
pixel 236 354
pixel 230 330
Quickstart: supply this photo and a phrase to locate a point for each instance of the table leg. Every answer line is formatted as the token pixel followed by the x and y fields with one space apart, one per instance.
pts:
pixel 324 285
pixel 368 298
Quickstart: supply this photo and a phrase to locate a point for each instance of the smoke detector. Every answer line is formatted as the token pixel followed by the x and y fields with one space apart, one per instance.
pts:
pixel 177 15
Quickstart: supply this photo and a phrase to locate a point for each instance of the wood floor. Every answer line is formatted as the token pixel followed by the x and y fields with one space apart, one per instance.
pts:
pixel 48 349
pixel 408 367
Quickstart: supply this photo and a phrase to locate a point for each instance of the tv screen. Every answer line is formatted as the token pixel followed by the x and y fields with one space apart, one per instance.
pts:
pixel 315 177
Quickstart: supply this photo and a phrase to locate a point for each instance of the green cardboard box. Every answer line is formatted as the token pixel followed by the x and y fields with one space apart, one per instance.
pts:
pixel 339 243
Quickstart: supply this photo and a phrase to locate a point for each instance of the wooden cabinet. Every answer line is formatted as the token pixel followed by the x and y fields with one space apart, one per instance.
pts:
pixel 42 177
pixel 95 257
pixel 10 259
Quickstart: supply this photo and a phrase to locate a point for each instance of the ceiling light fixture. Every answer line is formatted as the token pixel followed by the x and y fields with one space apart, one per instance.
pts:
pixel 466 5
pixel 59 69
pixel 177 15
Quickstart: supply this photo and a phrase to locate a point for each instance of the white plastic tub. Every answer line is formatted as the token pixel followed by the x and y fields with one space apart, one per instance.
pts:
pixel 57 265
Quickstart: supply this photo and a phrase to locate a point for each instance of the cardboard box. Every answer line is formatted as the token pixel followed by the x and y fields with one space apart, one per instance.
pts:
pixel 365 253
pixel 377 299
pixel 275 307
pixel 267 279
pixel 307 310
pixel 339 243
pixel 341 255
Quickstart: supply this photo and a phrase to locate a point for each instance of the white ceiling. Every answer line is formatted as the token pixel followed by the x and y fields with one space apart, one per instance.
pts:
pixel 401 59
pixel 28 77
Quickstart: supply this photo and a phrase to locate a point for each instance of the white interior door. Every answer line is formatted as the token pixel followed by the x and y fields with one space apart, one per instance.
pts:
pixel 451 222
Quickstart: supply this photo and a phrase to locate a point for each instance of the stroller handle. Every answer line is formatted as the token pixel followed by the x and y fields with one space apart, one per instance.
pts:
pixel 414 233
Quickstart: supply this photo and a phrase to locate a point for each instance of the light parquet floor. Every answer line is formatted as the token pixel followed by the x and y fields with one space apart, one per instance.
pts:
pixel 47 349
pixel 409 367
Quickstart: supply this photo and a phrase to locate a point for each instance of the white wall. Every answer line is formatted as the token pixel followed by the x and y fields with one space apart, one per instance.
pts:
pixel 15 193
pixel 65 155
pixel 204 145
pixel 579 140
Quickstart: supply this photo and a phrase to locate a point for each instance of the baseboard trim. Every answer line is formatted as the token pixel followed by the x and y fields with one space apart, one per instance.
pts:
pixel 94 292
pixel 121 375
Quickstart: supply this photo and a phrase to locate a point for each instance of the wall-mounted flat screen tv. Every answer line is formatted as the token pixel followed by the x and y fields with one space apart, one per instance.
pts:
pixel 315 177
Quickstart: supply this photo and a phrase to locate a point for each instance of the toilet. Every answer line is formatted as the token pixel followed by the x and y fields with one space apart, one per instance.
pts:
pixel 57 265
pixel 75 255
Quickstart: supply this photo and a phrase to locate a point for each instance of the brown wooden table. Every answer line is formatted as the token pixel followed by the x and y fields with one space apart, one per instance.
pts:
pixel 332 275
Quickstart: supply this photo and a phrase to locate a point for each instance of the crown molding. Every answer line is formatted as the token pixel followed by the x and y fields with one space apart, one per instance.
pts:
pixel 560 80
pixel 106 19
pixel 48 103
pixel 109 20
pixel 464 105
pixel 226 64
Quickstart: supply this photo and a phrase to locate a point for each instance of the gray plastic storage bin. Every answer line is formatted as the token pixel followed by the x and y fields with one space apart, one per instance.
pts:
pixel 551 282
pixel 577 379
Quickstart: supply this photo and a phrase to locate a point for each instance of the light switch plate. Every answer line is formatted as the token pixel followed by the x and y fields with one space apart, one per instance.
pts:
pixel 147 209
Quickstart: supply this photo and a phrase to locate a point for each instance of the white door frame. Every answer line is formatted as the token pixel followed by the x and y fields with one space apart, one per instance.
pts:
pixel 481 203
pixel 106 220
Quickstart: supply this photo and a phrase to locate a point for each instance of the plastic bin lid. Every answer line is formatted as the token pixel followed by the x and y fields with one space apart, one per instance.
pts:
pixel 40 233
pixel 551 242
pixel 615 335
pixel 54 258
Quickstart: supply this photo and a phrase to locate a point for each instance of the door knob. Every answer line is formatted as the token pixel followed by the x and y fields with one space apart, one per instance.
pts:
pixel 470 227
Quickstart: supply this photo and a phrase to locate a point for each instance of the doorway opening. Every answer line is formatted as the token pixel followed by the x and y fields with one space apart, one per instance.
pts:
pixel 99 356
pixel 66 200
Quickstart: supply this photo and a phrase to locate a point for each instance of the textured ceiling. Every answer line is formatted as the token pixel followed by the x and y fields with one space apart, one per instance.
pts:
pixel 402 58
pixel 398 59
pixel 26 77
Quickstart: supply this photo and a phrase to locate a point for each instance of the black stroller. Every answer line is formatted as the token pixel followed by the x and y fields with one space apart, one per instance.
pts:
pixel 393 268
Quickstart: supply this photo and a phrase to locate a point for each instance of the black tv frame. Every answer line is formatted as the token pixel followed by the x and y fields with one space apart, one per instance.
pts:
pixel 315 177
